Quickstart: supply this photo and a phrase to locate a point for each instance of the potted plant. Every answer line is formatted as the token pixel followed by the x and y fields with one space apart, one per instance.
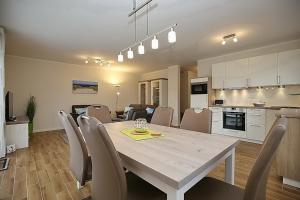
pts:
pixel 31 108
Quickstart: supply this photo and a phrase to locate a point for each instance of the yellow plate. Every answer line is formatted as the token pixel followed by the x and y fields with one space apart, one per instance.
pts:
pixel 140 130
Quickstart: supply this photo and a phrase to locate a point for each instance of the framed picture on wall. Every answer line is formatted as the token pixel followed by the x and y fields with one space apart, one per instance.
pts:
pixel 84 87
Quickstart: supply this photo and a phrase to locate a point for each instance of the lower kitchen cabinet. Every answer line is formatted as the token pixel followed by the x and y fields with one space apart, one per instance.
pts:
pixel 257 124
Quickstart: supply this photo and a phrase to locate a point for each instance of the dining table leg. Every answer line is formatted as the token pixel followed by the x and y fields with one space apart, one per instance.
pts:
pixel 175 195
pixel 229 167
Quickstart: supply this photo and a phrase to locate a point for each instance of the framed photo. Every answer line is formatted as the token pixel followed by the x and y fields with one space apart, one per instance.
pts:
pixel 84 87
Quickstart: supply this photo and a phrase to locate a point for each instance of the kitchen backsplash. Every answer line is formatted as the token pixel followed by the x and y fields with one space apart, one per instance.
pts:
pixel 273 96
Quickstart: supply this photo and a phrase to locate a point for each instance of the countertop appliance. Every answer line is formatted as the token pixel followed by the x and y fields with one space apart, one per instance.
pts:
pixel 219 102
pixel 199 92
pixel 234 118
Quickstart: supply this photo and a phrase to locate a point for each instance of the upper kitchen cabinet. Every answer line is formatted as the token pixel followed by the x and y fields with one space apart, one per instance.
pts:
pixel 289 67
pixel 263 70
pixel 237 73
pixel 218 75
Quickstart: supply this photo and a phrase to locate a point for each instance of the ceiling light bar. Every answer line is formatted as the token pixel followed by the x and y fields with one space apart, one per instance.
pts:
pixel 99 61
pixel 150 36
pixel 135 10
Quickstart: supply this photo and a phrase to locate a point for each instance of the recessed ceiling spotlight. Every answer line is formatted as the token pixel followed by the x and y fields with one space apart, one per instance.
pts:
pixel 86 62
pixel 232 37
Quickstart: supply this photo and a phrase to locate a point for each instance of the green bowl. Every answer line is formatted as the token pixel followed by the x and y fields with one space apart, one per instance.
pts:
pixel 140 130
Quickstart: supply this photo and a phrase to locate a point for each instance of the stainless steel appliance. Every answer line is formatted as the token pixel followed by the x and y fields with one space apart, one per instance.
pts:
pixel 234 118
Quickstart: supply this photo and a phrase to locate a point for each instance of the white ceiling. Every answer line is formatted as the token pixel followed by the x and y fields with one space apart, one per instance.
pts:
pixel 69 30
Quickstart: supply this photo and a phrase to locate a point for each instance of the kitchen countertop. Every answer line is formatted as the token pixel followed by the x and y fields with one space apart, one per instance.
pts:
pixel 251 106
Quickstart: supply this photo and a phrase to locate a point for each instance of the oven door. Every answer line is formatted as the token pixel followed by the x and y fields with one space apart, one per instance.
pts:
pixel 199 88
pixel 234 120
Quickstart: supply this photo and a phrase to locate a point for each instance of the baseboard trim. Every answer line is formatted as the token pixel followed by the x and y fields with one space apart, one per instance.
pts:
pixel 291 182
pixel 47 130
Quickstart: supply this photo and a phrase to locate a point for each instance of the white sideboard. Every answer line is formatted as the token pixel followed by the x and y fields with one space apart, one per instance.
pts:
pixel 16 132
pixel 281 68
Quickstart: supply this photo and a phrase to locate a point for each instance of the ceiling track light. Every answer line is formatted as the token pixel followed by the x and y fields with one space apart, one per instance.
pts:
pixel 99 61
pixel 232 37
pixel 154 42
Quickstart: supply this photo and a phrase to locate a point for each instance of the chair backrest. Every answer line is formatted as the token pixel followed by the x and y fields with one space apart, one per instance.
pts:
pixel 257 181
pixel 99 112
pixel 78 150
pixel 109 181
pixel 162 116
pixel 194 121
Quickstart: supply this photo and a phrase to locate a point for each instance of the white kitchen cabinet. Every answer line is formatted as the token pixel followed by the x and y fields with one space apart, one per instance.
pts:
pixel 218 75
pixel 256 128
pixel 237 73
pixel 217 120
pixel 263 70
pixel 289 67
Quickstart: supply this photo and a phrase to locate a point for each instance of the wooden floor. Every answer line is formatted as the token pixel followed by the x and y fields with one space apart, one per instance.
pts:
pixel 41 172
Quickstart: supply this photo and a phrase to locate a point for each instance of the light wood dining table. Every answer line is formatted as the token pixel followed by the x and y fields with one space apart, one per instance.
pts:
pixel 176 161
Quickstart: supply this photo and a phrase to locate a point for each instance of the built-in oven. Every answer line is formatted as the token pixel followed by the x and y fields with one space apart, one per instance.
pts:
pixel 234 118
pixel 199 88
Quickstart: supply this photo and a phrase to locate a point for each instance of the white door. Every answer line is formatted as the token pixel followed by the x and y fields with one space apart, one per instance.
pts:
pixel 289 67
pixel 263 70
pixel 218 75
pixel 236 73
pixel 2 104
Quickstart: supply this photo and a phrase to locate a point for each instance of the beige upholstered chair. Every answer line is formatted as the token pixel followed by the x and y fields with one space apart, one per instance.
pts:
pixel 80 162
pixel 213 189
pixel 162 116
pixel 100 112
pixel 194 121
pixel 109 179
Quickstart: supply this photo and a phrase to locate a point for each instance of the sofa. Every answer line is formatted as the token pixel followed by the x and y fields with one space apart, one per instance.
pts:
pixel 135 111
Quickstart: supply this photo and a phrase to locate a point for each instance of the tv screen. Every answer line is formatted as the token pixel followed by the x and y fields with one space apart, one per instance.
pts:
pixel 9 106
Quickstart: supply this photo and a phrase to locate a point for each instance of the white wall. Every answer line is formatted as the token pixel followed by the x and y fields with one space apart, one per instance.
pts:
pixel 2 104
pixel 51 84
pixel 204 66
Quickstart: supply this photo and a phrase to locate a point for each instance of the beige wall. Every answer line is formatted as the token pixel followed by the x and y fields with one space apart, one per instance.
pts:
pixel 204 66
pixel 155 75
pixel 51 83
pixel 185 89
pixel 174 92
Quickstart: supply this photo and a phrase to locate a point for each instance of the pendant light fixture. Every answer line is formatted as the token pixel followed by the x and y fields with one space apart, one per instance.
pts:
pixel 141 49
pixel 130 54
pixel 172 36
pixel 120 57
pixel 154 43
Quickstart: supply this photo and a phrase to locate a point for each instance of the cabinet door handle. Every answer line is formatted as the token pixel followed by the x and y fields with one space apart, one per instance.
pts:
pixel 255 125
pixel 254 114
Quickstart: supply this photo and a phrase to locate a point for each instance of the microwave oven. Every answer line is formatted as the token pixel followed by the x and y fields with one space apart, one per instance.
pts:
pixel 199 88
